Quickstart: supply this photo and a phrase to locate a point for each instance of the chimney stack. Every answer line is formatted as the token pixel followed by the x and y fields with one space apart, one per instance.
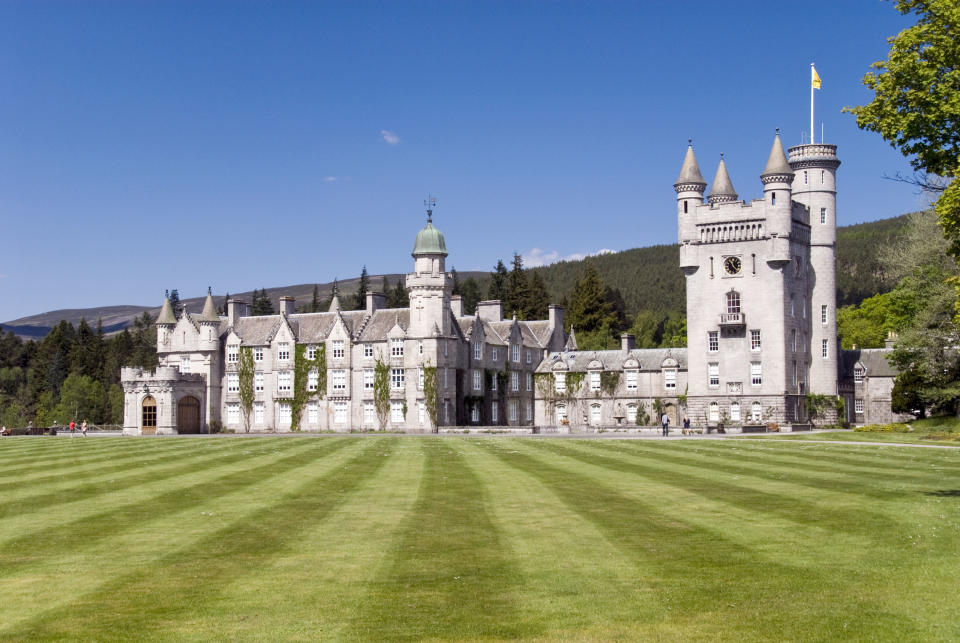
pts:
pixel 491 310
pixel 627 343
pixel 375 301
pixel 236 308
pixel 456 305
pixel 287 307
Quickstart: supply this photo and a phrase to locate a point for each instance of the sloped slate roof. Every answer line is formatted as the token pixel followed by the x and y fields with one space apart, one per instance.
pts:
pixel 382 322
pixel 529 337
pixel 497 333
pixel 873 359
pixel 466 325
pixel 540 330
pixel 650 359
pixel 256 331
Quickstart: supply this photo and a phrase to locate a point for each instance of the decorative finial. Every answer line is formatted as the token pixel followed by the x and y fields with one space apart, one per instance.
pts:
pixel 166 293
pixel 209 290
pixel 778 131
pixel 721 156
pixel 690 142
pixel 430 203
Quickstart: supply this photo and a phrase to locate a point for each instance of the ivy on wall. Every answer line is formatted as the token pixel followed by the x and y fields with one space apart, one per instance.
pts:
pixel 381 392
pixel 431 399
pixel 245 371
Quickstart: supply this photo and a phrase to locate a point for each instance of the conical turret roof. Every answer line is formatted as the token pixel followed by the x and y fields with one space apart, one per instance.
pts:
pixel 166 312
pixel 209 313
pixel 722 189
pixel 777 163
pixel 690 171
pixel 335 303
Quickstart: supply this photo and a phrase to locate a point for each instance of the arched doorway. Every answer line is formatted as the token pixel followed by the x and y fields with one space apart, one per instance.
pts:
pixel 148 416
pixel 671 411
pixel 188 415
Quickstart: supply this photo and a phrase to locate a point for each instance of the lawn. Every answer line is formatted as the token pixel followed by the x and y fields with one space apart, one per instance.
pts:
pixel 393 537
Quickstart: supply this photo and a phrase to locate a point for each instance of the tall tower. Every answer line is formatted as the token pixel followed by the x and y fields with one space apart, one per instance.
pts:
pixel 429 285
pixel 814 185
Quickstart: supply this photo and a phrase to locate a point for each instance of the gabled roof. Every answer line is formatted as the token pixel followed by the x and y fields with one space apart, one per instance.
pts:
pixel 382 322
pixel 874 360
pixel 650 359
pixel 541 330
pixel 466 325
pixel 256 331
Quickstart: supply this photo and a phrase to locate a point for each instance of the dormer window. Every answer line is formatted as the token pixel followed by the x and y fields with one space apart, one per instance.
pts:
pixel 283 351
pixel 858 374
pixel 232 350
pixel 396 348
pixel 337 349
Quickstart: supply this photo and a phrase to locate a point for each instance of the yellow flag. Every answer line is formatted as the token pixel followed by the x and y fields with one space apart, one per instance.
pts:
pixel 814 78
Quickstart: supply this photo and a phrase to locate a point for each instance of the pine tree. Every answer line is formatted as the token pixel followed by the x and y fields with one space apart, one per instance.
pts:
pixel 470 291
pixel 398 297
pixel 360 299
pixel 175 302
pixel 498 282
pixel 315 301
pixel 538 299
pixel 261 303
pixel 222 310
pixel 592 313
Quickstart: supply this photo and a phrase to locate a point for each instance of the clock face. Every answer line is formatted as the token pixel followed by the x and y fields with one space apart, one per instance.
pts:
pixel 732 265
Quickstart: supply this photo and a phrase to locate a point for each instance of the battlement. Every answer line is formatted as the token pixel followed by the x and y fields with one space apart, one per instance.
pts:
pixel 813 155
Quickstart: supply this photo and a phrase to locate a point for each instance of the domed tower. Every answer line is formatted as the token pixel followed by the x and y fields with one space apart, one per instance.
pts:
pixel 814 185
pixel 429 285
pixel 689 187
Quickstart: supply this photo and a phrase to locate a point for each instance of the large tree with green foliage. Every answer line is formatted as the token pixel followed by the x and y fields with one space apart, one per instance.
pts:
pixel 592 312
pixel 498 282
pixel 360 299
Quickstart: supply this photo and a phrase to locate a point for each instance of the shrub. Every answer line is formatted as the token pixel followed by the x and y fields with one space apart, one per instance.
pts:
pixel 896 427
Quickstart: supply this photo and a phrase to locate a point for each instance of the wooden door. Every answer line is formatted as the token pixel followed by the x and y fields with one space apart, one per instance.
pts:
pixel 188 415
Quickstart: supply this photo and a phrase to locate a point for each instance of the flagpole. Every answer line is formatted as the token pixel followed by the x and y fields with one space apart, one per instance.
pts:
pixel 811 104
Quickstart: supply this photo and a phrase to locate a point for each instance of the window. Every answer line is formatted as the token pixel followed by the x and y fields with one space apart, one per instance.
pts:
pixel 258 354
pixel 755 339
pixel 793 340
pixel 396 412
pixel 232 351
pixel 756 373
pixel 446 350
pixel 313 378
pixel 339 412
pixel 369 414
pixel 338 379
pixel 858 374
pixel 515 352
pixel 561 412
pixel 477 377
pixel 793 307
pixel 445 383
pixel 713 374
pixel 477 350
pixel 283 351
pixel 529 381
pixel 735 412
pixel 803 301
pixel 685 206
pixel 368 350
pixel 494 353
pixel 258 381
pixel 823 314
pixel 632 413
pixel 512 410
pixel 794 373
pixel 713 341
pixel 773 199
pixel 714 412
pixel 514 381
pixel 560 382
pixel 475 413
pixel 421 413
pixel 396 348
pixel 311 352
pixel 494 413
pixel 148 413
pixel 804 177
pixel 670 378
pixel 823 215
pixel 733 302
pixel 798 265
pixel 185 364
pixel 420 379
pixel 756 414
pixel 446 409
pixel 233 413
pixel 336 348
pixel 631 380
pixel 284 417
pixel 529 411
pixel 595 414
pixel 858 406
pixel 803 342
pixel 493 382
pixel 396 378
pixel 259 409
pixel 368 379
pixel 283 381
pixel 233 382
pixel 312 413
pixel 825 353
pixel 595 381
pixel 823 175
pixel 420 348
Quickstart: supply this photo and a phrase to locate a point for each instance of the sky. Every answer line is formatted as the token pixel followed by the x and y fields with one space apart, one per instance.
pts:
pixel 238 145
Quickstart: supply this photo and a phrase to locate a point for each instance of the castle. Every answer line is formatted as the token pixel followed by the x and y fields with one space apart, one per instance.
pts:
pixel 761 324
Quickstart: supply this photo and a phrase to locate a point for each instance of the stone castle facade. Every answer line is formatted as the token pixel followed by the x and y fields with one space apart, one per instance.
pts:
pixel 761 320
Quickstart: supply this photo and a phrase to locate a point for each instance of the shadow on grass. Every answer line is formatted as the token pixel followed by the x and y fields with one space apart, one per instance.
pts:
pixel 945 493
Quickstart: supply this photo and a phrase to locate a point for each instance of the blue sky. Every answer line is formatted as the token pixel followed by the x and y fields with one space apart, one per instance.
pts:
pixel 153 145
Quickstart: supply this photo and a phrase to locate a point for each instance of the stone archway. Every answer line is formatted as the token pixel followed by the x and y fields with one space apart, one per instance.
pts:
pixel 671 411
pixel 148 416
pixel 188 415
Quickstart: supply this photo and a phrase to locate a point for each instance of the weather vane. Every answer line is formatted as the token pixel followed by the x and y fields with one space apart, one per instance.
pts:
pixel 430 203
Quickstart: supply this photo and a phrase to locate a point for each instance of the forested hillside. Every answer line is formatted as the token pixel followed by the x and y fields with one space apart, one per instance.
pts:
pixel 860 271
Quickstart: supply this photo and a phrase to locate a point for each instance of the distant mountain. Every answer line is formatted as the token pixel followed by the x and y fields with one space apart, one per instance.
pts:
pixel 647 278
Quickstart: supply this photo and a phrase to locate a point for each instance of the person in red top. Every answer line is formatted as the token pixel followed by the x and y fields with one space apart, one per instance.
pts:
pixel 73 425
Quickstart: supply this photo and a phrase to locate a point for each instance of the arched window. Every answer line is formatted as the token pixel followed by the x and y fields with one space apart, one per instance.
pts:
pixel 595 414
pixel 714 412
pixel 561 412
pixel 632 413
pixel 756 414
pixel 733 302
pixel 148 414
pixel 735 411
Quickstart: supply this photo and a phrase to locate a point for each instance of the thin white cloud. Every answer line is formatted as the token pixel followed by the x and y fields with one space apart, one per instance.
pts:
pixel 537 257
pixel 335 179
pixel 390 137
pixel 330 179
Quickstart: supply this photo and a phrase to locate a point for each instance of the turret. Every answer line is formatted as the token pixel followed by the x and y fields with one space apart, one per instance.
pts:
pixel 166 320
pixel 689 188
pixel 722 189
pixel 777 178
pixel 429 285
pixel 209 322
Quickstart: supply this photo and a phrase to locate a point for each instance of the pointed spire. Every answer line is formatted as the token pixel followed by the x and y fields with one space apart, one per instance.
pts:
pixel 335 302
pixel 166 311
pixel 209 313
pixel 722 189
pixel 571 344
pixel 690 172
pixel 777 164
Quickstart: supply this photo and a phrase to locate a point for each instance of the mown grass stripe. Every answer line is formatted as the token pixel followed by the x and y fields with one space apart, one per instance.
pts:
pixel 169 589
pixel 713 587
pixel 451 575
pixel 76 450
pixel 80 530
pixel 775 498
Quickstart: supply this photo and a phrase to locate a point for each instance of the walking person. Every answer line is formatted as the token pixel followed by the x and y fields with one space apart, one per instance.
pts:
pixel 73 427
pixel 686 426
pixel 665 421
pixel 83 429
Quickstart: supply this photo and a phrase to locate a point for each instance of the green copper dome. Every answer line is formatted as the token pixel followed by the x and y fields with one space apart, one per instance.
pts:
pixel 429 242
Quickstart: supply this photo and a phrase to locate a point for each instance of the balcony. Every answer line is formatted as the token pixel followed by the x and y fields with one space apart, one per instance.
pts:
pixel 732 320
